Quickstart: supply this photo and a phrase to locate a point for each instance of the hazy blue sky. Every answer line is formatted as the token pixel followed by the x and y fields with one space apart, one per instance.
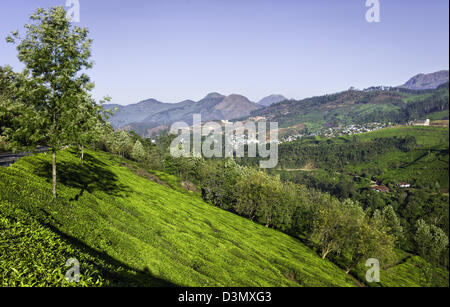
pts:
pixel 173 50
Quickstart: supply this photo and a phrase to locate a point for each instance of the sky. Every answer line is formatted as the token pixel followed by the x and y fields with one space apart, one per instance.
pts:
pixel 173 50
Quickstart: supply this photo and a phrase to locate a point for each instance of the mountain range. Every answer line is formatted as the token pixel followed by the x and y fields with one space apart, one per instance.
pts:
pixel 151 116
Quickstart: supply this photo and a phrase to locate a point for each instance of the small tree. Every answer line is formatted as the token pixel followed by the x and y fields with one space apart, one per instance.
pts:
pixel 88 124
pixel 389 219
pixel 122 143
pixel 138 153
pixel 18 125
pixel 259 194
pixel 422 237
pixel 54 53
pixel 431 241
pixel 335 225
pixel 370 240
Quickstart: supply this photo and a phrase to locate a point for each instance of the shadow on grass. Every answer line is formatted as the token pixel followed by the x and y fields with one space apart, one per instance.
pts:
pixel 125 276
pixel 90 176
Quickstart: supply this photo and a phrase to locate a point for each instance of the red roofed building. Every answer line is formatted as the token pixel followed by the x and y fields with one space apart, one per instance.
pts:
pixel 381 189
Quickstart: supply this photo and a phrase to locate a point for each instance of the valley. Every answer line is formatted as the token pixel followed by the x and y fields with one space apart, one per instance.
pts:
pixel 347 189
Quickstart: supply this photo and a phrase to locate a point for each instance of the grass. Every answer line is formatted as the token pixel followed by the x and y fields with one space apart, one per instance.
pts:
pixel 128 230
pixel 414 272
pixel 429 162
pixel 425 136
pixel 410 271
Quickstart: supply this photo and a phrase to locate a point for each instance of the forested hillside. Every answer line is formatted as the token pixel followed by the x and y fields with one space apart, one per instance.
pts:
pixel 410 163
pixel 358 107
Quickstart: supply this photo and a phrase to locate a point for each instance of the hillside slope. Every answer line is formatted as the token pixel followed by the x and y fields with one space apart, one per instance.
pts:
pixel 138 112
pixel 272 99
pixel 427 163
pixel 128 230
pixel 427 81
pixel 359 107
pixel 424 163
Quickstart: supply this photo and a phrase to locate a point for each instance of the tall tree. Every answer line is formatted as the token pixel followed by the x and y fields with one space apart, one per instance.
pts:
pixel 55 53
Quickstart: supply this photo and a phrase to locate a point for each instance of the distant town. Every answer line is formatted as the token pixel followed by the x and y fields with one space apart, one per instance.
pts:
pixel 339 131
pixel 349 130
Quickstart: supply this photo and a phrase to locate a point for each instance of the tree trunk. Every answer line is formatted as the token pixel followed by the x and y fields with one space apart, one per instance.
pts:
pixel 349 269
pixel 54 171
pixel 324 254
pixel 82 154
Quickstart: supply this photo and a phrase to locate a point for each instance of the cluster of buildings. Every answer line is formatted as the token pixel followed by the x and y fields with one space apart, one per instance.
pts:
pixel 339 131
pixel 257 119
pixel 354 129
pixel 384 189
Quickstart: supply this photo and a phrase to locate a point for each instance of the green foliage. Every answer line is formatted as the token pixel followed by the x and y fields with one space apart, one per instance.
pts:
pixel 329 224
pixel 337 154
pixel 19 127
pixel 218 181
pixel 358 107
pixel 33 255
pixel 389 219
pixel 162 235
pixel 48 50
pixel 425 167
pixel 257 193
pixel 138 153
pixel 335 226
pixel 119 142
pixel 51 96
pixel 414 272
pixel 431 241
pixel 371 240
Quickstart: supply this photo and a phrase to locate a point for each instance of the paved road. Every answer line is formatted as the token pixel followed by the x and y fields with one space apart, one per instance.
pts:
pixel 8 158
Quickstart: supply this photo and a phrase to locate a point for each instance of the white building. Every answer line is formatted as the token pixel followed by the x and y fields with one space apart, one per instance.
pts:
pixel 422 122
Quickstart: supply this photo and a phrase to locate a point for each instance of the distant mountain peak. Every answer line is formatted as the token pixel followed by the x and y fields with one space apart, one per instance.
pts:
pixel 427 81
pixel 236 106
pixel 149 101
pixel 237 96
pixel 214 95
pixel 272 99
